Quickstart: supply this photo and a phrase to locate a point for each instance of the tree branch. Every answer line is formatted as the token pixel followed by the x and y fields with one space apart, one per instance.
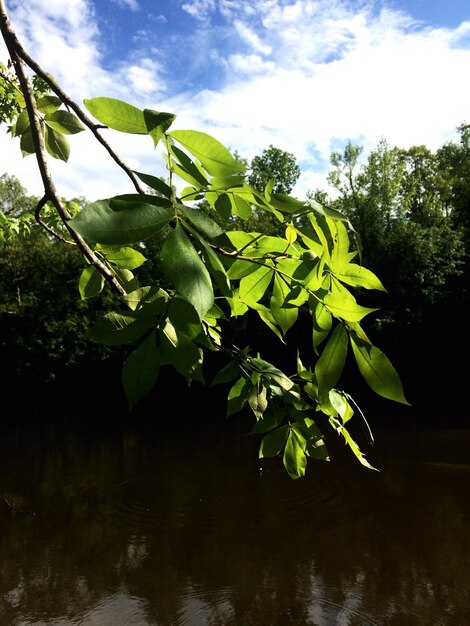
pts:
pixel 40 150
pixel 37 69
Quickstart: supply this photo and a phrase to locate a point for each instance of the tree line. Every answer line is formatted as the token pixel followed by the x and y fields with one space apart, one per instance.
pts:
pixel 409 207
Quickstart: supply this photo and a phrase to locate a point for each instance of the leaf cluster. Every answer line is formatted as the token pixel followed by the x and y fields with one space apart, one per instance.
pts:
pixel 216 275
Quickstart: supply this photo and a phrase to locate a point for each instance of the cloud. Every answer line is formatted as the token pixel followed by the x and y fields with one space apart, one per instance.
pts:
pixel 306 76
pixel 199 9
pixel 251 37
pixel 133 5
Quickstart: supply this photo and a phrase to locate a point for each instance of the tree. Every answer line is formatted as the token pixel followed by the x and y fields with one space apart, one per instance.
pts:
pixel 401 202
pixel 274 165
pixel 215 275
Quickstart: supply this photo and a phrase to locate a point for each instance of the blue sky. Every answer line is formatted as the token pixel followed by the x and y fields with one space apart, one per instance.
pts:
pixel 304 75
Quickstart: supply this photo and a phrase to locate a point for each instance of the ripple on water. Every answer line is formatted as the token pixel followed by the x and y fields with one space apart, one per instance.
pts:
pixel 223 498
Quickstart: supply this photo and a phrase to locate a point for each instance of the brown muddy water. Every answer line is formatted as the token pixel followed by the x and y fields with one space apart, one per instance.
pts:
pixel 139 525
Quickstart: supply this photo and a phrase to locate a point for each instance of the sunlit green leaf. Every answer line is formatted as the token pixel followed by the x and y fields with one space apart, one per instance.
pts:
pixel 124 257
pixel 342 304
pixel 187 166
pixel 56 144
pixel 237 396
pixel 257 399
pixel 213 155
pixel 377 370
pixel 91 282
pixel 117 115
pixel 64 122
pixel 22 123
pixel 215 267
pixel 359 276
pixel 330 365
pixel 253 286
pixel 151 299
pixel 284 316
pixel 294 458
pixel 275 375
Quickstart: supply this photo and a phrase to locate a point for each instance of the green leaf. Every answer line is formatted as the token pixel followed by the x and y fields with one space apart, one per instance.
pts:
pixel 186 272
pixel 322 322
pixel 192 173
pixel 114 223
pixel 342 304
pixel 284 316
pixel 275 375
pixel 326 211
pixel 27 144
pixel 184 317
pixel 377 370
pixel 273 443
pixel 253 286
pixel 118 115
pixel 140 371
pixel 91 282
pixel 213 155
pixel 216 269
pixel 151 299
pixel 294 458
pixel 359 276
pixel 340 403
pixel 330 365
pixel 201 221
pixel 64 122
pixel 237 396
pixel 226 374
pixel 125 258
pixel 257 399
pixel 22 123
pixel 156 183
pixel 340 253
pixel 240 207
pixel 47 104
pixel 286 203
pixel 157 123
pixel 182 353
pixel 56 144
pixel 116 329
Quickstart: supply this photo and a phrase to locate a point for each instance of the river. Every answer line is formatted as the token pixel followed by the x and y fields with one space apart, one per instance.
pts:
pixel 141 524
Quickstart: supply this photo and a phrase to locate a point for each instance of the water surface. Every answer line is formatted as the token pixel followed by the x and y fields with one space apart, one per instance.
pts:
pixel 138 525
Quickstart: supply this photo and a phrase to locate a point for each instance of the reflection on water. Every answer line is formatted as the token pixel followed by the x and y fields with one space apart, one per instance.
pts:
pixel 120 526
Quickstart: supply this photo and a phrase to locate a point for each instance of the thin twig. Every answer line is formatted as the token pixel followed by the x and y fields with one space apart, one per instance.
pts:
pixel 41 222
pixel 11 42
pixel 16 509
pixel 37 69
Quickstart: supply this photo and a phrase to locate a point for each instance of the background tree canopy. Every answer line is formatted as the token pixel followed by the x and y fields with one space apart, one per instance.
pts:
pixel 230 245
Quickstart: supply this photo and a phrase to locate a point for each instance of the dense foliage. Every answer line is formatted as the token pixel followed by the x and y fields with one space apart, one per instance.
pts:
pixel 230 243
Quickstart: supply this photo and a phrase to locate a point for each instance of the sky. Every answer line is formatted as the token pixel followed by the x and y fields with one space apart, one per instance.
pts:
pixel 306 76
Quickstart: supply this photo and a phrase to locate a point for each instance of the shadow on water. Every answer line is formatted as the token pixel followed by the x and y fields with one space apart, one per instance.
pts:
pixel 170 519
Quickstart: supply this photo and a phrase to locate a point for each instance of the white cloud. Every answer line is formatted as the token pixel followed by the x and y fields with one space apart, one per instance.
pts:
pixel 199 9
pixel 304 75
pixel 133 5
pixel 251 37
pixel 250 64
